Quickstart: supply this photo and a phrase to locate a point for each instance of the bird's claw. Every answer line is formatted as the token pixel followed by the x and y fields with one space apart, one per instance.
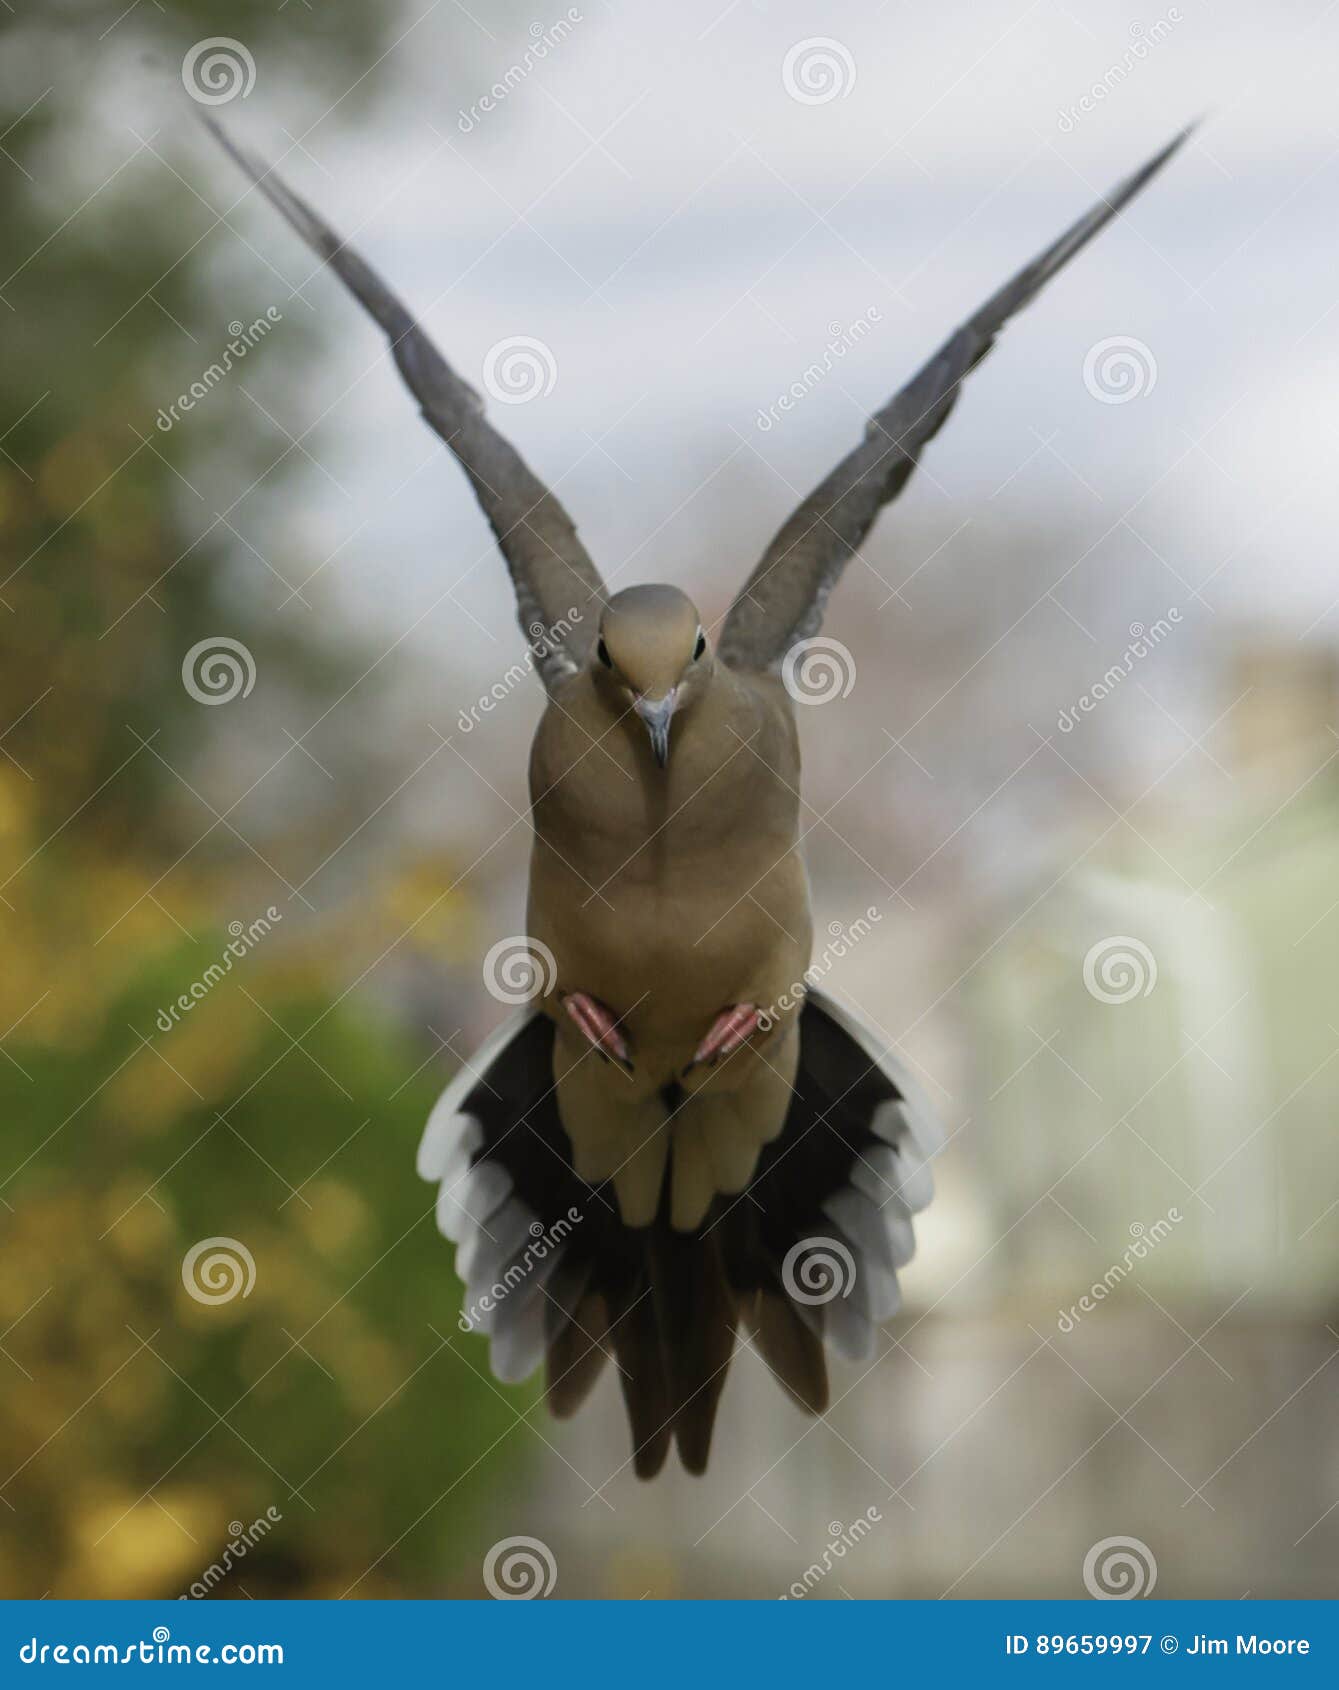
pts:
pixel 600 1027
pixel 731 1028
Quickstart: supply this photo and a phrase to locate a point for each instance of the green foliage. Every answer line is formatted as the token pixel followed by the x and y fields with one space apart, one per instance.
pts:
pixel 113 559
pixel 337 1389
pixel 137 1424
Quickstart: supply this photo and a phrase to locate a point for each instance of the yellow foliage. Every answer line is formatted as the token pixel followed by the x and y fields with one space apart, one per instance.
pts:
pixel 426 886
pixel 369 1368
pixel 72 471
pixel 123 1547
pixel 211 1048
pixel 147 1096
pixel 15 811
pixel 142 1235
pixel 337 1219
pixel 141 1394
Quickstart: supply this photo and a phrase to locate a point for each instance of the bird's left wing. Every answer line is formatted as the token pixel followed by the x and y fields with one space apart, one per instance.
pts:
pixel 783 600
pixel 558 588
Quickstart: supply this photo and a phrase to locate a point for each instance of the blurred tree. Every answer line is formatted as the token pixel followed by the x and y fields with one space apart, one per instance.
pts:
pixel 125 1462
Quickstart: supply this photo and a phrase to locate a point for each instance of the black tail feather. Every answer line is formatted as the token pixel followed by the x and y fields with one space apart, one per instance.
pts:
pixel 576 1356
pixel 696 1313
pixel 643 1379
pixel 667 1304
pixel 793 1352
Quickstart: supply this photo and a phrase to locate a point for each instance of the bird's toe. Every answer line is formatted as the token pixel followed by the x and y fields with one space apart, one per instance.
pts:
pixel 599 1026
pixel 732 1027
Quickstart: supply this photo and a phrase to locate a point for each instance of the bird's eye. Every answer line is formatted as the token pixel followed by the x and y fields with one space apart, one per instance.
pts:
pixel 602 652
pixel 701 645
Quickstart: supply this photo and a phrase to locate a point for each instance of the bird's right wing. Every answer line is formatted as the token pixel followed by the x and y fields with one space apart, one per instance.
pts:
pixel 558 588
pixel 783 600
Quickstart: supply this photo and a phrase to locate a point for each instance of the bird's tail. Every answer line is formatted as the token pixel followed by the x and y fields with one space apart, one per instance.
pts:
pixel 807 1257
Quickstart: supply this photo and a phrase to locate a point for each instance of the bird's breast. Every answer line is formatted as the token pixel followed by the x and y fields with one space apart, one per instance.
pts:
pixel 669 953
pixel 667 894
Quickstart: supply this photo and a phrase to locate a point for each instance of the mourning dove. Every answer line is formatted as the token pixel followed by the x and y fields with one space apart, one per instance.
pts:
pixel 677 1138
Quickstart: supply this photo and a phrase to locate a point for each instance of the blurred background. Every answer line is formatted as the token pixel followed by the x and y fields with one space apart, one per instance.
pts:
pixel 253 848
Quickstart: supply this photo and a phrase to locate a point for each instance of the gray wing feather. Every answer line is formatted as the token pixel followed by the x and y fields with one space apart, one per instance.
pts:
pixel 555 581
pixel 784 598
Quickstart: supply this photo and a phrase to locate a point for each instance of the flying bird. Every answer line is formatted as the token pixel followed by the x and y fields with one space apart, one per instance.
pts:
pixel 676 1142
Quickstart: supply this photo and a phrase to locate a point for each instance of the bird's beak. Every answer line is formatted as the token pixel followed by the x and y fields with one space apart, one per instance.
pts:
pixel 657 713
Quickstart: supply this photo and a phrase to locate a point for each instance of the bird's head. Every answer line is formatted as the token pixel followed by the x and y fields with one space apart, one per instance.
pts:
pixel 652 655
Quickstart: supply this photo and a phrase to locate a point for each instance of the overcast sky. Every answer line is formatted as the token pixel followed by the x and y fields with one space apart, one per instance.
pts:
pixel 654 204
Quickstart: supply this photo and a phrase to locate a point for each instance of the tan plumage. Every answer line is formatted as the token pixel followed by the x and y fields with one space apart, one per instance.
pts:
pixel 669 894
pixel 640 1094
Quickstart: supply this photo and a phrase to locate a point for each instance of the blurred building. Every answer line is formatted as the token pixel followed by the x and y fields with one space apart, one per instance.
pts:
pixel 1159 1029
pixel 1121 1320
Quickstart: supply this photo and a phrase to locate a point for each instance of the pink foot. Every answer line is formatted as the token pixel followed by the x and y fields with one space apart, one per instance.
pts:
pixel 599 1026
pixel 731 1028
